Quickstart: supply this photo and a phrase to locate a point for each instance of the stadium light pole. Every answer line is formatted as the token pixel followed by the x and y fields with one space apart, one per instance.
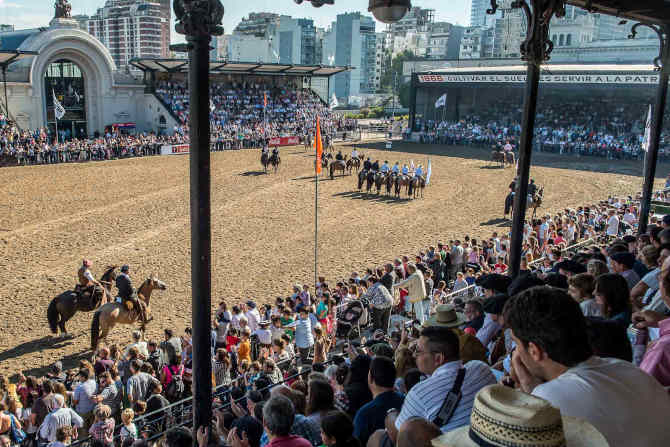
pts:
pixel 662 64
pixel 535 50
pixel 199 20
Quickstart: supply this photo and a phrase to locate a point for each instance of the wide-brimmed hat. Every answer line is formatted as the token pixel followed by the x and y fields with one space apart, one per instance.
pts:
pixel 264 323
pixel 445 316
pixel 502 416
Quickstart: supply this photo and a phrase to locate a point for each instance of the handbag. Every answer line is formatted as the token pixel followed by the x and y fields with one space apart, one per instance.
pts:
pixel 16 434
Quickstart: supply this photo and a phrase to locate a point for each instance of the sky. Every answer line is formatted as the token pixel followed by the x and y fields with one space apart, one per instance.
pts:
pixel 35 13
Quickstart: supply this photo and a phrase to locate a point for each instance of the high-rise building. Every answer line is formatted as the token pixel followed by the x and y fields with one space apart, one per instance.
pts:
pixel 131 29
pixel 509 33
pixel 478 15
pixel 352 42
pixel 417 19
pixel 259 24
pixel 297 41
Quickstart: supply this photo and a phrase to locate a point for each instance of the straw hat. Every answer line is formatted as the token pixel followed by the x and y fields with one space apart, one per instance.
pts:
pixel 502 416
pixel 445 316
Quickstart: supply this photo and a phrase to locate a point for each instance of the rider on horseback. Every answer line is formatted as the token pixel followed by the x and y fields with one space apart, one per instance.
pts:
pixel 396 168
pixel 419 172
pixel 354 153
pixel 532 188
pixel 385 167
pixel 367 165
pixel 375 166
pixel 87 282
pixel 275 153
pixel 339 156
pixel 405 170
pixel 129 295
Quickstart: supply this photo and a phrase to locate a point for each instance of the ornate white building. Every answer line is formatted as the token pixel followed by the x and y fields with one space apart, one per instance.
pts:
pixel 80 71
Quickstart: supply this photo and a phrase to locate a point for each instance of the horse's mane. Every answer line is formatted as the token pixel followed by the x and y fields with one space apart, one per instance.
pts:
pixel 109 271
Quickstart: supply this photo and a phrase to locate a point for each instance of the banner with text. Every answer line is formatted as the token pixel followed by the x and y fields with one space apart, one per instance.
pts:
pixel 284 141
pixel 174 149
pixel 623 79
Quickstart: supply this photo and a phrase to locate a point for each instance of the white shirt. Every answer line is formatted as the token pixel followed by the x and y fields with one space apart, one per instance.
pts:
pixel 264 336
pixel 628 406
pixel 488 330
pixel 253 317
pixel 629 218
pixel 613 225
pixel 88 275
pixel 426 397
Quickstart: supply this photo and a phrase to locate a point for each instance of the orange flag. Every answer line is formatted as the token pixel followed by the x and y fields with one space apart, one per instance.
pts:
pixel 318 145
pixel 265 99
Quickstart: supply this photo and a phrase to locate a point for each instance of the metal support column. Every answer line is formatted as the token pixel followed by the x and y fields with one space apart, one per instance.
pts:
pixel 662 64
pixel 4 83
pixel 535 50
pixel 199 20
pixel 412 102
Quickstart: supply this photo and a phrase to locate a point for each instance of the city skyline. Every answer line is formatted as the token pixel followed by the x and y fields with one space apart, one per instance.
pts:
pixel 32 14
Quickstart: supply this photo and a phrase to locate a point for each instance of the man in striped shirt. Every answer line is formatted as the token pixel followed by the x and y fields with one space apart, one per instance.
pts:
pixel 437 355
pixel 59 416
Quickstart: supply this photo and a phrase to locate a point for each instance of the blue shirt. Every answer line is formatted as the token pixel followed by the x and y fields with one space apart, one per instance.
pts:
pixel 371 416
pixel 83 394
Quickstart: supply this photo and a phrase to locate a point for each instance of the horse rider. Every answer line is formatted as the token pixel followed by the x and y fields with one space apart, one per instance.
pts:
pixel 507 147
pixel 532 188
pixel 354 153
pixel 396 168
pixel 339 156
pixel 375 166
pixel 405 170
pixel 264 151
pixel 419 172
pixel 367 164
pixel 128 294
pixel 275 153
pixel 385 167
pixel 87 282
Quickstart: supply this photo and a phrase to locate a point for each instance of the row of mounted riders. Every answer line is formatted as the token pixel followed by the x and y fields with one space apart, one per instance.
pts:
pixel 130 307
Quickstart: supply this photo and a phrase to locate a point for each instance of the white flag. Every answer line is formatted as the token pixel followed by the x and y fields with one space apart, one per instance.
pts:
pixel 429 170
pixel 333 101
pixel 647 132
pixel 212 107
pixel 441 101
pixel 59 111
pixel 77 97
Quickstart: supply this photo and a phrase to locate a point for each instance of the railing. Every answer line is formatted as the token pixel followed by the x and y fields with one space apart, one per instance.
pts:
pixel 570 248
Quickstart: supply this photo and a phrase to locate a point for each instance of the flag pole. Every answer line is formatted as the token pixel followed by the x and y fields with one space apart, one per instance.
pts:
pixel 318 146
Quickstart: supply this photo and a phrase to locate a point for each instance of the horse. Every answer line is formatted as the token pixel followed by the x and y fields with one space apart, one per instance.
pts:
pixel 380 178
pixel 353 163
pixel 400 181
pixel 64 306
pixel 337 165
pixel 362 175
pixel 509 158
pixel 265 161
pixel 115 313
pixel 390 178
pixel 370 181
pixel 275 161
pixel 417 185
pixel 536 201
pixel 499 157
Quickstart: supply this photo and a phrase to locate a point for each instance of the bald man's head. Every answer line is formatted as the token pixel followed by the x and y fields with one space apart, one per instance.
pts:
pixel 417 432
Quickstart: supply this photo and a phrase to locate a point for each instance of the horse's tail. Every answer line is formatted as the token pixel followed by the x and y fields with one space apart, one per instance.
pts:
pixel 53 315
pixel 95 330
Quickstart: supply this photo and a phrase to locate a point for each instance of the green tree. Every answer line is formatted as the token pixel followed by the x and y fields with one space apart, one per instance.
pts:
pixel 404 94
pixel 394 68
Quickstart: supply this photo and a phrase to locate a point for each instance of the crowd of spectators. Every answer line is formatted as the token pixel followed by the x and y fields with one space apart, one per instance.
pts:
pixel 603 130
pixel 583 330
pixel 243 115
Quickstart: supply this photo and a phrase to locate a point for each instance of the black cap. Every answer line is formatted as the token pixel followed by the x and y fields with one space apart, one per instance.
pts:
pixel 494 281
pixel 571 266
pixel 625 258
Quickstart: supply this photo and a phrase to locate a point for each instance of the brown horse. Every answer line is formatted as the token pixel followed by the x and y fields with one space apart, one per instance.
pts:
pixel 390 179
pixel 509 158
pixel 353 163
pixel 112 314
pixel 265 161
pixel 64 306
pixel 275 161
pixel 337 165
pixel 400 181
pixel 418 185
pixel 537 201
pixel 380 179
pixel 362 176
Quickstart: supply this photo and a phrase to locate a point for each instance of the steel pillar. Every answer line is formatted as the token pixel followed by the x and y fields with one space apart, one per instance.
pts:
pixel 662 64
pixel 535 50
pixel 199 20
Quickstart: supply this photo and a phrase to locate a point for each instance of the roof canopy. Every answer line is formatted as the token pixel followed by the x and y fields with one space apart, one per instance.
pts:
pixel 227 67
pixel 10 56
pixel 647 11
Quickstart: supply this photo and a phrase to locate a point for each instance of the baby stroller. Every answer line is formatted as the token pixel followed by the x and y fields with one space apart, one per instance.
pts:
pixel 350 319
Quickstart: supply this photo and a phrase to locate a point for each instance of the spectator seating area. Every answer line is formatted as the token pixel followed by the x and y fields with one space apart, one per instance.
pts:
pixel 583 328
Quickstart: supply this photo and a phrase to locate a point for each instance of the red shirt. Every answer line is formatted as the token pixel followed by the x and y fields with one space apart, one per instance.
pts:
pixel 289 441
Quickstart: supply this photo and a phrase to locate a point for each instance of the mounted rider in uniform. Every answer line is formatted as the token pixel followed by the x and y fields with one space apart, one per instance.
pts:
pixel 419 172
pixel 354 153
pixel 367 165
pixel 385 167
pixel 128 294
pixel 375 166
pixel 275 154
pixel 395 169
pixel 532 188
pixel 86 282
pixel 339 156
pixel 405 170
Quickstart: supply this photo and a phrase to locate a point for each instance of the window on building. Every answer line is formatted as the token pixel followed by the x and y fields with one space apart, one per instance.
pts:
pixel 561 40
pixel 568 39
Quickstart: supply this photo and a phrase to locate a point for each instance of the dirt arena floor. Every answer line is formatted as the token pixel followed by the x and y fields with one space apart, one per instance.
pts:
pixel 137 212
